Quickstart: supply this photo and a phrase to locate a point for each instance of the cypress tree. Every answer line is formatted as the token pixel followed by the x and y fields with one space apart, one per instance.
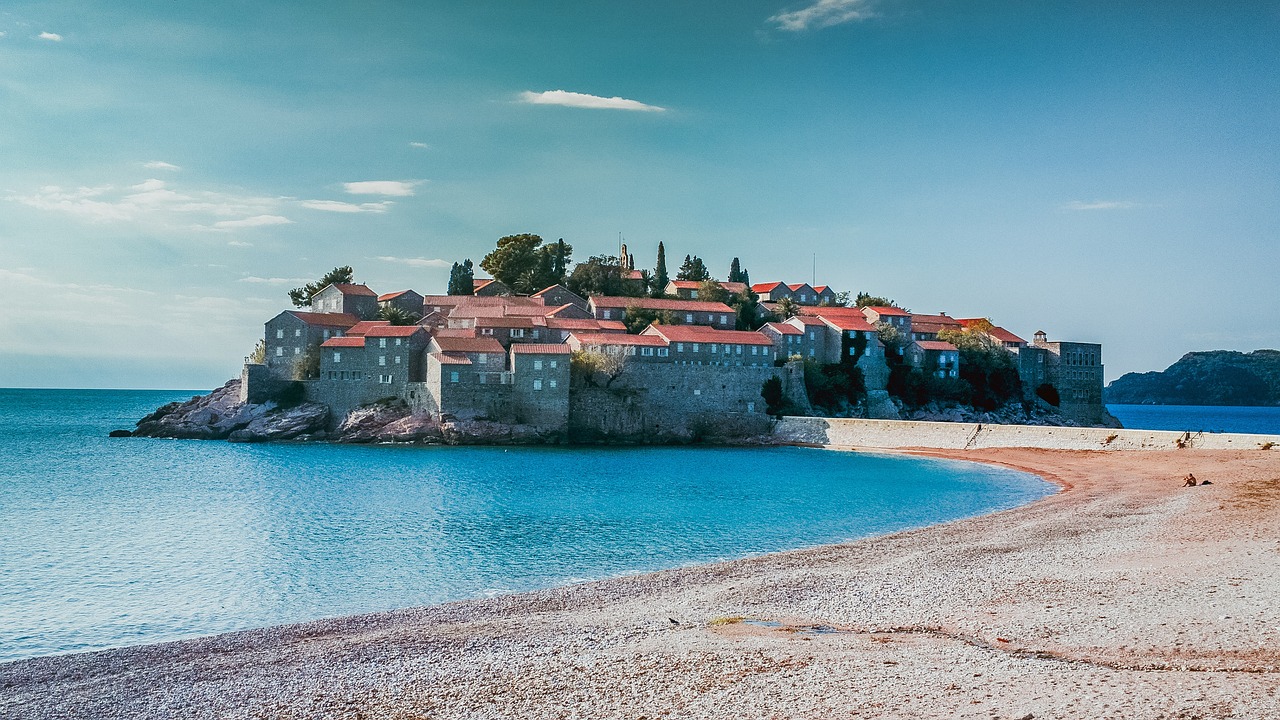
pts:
pixel 660 278
pixel 735 271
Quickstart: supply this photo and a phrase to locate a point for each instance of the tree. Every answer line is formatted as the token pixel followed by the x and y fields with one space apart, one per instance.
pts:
pixel 865 300
pixel 894 340
pixel 745 305
pixel 693 269
pixel 660 277
pixel 525 265
pixel 585 366
pixel 602 275
pixel 712 291
pixel 397 315
pixel 259 354
pixel 840 300
pixel 462 279
pixel 637 318
pixel 772 394
pixel 787 308
pixel 307 365
pixel 301 297
pixel 735 272
pixel 986 366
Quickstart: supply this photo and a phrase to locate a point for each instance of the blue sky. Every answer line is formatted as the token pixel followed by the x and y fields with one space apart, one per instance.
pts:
pixel 1104 171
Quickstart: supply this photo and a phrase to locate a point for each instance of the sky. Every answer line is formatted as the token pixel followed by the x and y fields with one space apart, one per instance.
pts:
pixel 1105 172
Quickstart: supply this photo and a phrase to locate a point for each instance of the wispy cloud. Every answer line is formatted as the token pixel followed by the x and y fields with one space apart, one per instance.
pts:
pixel 151 201
pixel 823 13
pixel 1099 205
pixel 397 188
pixel 417 262
pixel 160 165
pixel 50 36
pixel 582 100
pixel 255 221
pixel 345 207
pixel 420 145
pixel 272 280
pixel 239 243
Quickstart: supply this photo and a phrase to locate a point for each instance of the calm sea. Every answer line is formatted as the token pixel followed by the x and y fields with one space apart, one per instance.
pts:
pixel 107 542
pixel 1196 418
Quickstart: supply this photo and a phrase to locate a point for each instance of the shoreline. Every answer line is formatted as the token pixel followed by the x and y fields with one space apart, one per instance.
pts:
pixel 951 602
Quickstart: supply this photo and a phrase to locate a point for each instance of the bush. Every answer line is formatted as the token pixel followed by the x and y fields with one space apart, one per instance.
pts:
pixel 772 394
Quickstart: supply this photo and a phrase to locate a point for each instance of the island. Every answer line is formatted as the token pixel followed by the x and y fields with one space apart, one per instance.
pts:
pixel 1217 377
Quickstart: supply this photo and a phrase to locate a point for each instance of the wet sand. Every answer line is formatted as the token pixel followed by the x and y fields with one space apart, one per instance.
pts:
pixel 1125 596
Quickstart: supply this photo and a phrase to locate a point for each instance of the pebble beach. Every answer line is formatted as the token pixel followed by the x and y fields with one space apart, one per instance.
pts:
pixel 1125 595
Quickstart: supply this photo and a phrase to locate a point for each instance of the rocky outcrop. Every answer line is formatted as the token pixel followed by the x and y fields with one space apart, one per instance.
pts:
pixel 488 432
pixel 303 422
pixel 387 421
pixel 1010 414
pixel 221 416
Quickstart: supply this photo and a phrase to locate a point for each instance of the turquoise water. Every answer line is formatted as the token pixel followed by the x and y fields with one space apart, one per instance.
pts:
pixel 1198 418
pixel 107 542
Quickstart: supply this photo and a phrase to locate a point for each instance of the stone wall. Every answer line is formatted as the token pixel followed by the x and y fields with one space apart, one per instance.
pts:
pixel 890 434
pixel 258 384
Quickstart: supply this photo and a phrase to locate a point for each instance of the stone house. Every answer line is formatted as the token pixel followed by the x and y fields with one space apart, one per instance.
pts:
pixel 699 345
pixel 826 296
pixel 689 289
pixel 346 298
pixel 788 340
pixel 772 292
pixel 406 300
pixel 488 287
pixel 292 334
pixel 1006 339
pixel 559 329
pixel 897 317
pixel 394 353
pixel 540 385
pixel 846 329
pixel 683 312
pixel 641 348
pixel 558 295
pixel 1073 370
pixel 803 293
pixel 934 357
pixel 927 327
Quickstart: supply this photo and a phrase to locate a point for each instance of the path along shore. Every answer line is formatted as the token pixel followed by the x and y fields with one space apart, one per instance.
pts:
pixel 1124 596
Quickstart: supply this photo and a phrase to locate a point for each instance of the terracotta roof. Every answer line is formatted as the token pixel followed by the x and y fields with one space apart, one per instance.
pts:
pixel 806 320
pixel 395 330
pixel 348 341
pixel 784 329
pixel 618 339
pixel 884 310
pixel 455 333
pixel 734 287
pixel 392 296
pixel 545 290
pixel 504 322
pixel 585 324
pixel 944 320
pixel 567 307
pixel 701 333
pixel 797 286
pixel 364 326
pixel 469 344
pixel 342 320
pixel 660 304
pixel 353 289
pixel 934 345
pixel 848 321
pixel 997 332
pixel 765 287
pixel 686 284
pixel 451 358
pixel 477 283
pixel 540 349
pixel 820 289
pixel 632 274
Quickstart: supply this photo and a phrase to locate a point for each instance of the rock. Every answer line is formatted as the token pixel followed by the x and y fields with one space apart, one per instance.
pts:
pixel 487 432
pixel 204 417
pixel 413 428
pixel 120 433
pixel 365 424
pixel 284 424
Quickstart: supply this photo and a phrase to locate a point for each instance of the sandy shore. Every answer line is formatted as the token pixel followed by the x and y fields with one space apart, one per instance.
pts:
pixel 1125 596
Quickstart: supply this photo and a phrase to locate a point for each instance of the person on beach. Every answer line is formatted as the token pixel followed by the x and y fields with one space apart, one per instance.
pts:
pixel 1190 480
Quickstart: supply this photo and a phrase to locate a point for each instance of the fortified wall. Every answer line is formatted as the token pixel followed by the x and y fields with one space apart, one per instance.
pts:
pixel 898 434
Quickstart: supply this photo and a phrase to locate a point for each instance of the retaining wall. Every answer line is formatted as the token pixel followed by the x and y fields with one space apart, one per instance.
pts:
pixel 969 436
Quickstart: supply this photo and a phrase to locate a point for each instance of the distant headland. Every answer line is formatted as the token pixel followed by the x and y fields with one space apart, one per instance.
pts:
pixel 1215 377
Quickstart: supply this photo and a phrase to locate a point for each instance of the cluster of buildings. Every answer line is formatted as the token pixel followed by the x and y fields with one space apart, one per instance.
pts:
pixel 506 357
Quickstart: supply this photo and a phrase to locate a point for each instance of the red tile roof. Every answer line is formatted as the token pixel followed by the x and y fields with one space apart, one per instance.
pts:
pixel 935 345
pixel 504 322
pixel 469 344
pixel 455 332
pixel 944 320
pixel 884 310
pixel 660 304
pixel 702 333
pixel 395 331
pixel 353 289
pixel 364 326
pixel 734 287
pixel 478 283
pixel 350 341
pixel 765 287
pixel 587 324
pixel 340 320
pixel 392 296
pixel 797 286
pixel 847 321
pixel 632 274
pixel 451 358
pixel 784 329
pixel 540 349
pixel 997 332
pixel 806 319
pixel 594 339
pixel 820 289
pixel 548 289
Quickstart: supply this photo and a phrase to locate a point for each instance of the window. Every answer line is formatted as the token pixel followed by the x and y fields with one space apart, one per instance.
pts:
pixel 280 334
pixel 486 331
pixel 631 350
pixel 397 360
pixel 517 332
pixel 551 384
pixel 688 317
pixel 679 347
pixel 382 342
pixel 607 314
pixel 326 334
pixel 646 351
pixel 398 342
pixel 695 347
pixel 662 352
pixel 755 350
pixel 851 351
pixel 693 294
pixel 751 407
pixel 382 360
pixel 714 349
pixel 385 379
pixel 738 349
pixel 726 349
pixel 453 377
pixel 853 333
pixel 535 333
pixel 537 383
pixel 297 350
pixel 337 357
pixel 482 359
pixel 697 392
pixel 279 352
pixel 724 319
pixel 297 333
pixel 537 364
pixel 812 335
pixel 554 364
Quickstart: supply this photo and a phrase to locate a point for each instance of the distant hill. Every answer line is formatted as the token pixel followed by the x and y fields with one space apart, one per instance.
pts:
pixel 1216 377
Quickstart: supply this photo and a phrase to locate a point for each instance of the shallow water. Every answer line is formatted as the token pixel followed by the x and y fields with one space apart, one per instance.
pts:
pixel 107 542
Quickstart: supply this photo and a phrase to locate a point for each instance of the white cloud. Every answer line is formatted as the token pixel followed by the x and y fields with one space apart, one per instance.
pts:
pixel 582 100
pixel 417 262
pixel 398 188
pixel 345 207
pixel 823 13
pixel 239 243
pixel 149 202
pixel 1099 205
pixel 420 145
pixel 272 280
pixel 255 221
pixel 160 165
pixel 50 36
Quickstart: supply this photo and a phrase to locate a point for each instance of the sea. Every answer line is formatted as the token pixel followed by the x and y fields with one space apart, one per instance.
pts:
pixel 1194 418
pixel 106 542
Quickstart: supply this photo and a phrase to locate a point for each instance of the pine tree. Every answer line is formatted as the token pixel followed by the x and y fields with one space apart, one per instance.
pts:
pixel 660 278
pixel 693 269
pixel 558 267
pixel 462 279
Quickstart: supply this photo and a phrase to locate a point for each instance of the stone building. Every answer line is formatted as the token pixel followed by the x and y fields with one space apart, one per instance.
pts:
pixel 934 357
pixel 558 295
pixel 347 298
pixel 488 287
pixel 1068 372
pixel 683 312
pixel 293 334
pixel 700 345
pixel 406 300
